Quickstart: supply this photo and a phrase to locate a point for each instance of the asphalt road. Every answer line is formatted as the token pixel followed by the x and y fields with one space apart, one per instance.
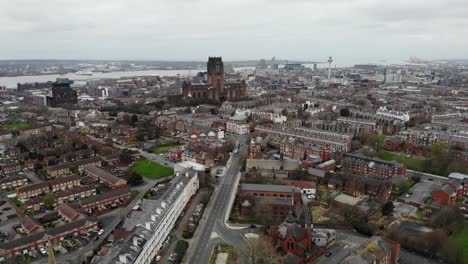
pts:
pixel 214 222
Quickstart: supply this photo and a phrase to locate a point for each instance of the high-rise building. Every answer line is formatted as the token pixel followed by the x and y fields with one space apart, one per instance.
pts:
pixel 62 94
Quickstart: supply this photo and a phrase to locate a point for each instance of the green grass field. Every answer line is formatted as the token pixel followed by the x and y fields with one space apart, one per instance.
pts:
pixel 462 238
pixel 411 163
pixel 152 169
pixel 16 126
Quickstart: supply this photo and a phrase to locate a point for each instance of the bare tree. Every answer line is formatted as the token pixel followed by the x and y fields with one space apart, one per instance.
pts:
pixel 264 212
pixel 260 251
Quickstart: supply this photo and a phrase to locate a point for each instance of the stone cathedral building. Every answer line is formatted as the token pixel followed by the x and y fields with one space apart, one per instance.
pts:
pixel 215 87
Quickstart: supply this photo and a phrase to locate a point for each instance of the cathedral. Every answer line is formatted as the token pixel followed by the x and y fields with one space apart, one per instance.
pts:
pixel 215 87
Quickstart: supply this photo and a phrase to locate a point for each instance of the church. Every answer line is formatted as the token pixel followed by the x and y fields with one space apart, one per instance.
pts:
pixel 215 88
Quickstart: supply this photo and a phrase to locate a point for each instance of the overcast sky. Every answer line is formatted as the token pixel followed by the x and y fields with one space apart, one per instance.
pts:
pixel 348 30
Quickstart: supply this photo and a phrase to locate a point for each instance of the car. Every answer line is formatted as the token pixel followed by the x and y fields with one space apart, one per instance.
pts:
pixel 253 226
pixel 158 258
pixel 407 195
pixel 328 254
pixel 174 257
pixel 100 232
pixel 43 251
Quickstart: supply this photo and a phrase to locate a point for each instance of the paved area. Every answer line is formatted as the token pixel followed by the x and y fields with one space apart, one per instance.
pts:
pixel 403 210
pixel 7 212
pixel 216 213
pixel 420 191
pixel 32 176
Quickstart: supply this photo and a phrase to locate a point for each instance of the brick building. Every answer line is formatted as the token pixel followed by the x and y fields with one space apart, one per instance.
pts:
pixel 373 167
pixel 448 193
pixel 105 177
pixel 13 182
pixel 292 238
pixel 216 88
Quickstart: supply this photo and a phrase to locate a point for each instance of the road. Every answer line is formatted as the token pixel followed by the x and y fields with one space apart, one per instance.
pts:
pixel 213 229
pixel 426 176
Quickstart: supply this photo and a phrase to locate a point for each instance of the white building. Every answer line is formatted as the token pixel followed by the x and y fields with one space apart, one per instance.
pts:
pixel 324 237
pixel 152 224
pixel 383 111
pixel 237 128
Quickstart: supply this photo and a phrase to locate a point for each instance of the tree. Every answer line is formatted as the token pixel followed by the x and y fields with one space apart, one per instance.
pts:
pixel 298 174
pixel 231 144
pixel 134 178
pixel 134 119
pixel 49 201
pixel 261 251
pixel 439 157
pixel 125 157
pixel 376 141
pixel 447 217
pixel 264 212
pixel 387 209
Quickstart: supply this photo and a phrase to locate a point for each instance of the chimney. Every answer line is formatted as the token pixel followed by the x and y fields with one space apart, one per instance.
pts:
pixel 153 218
pixel 158 211
pixel 163 204
pixel 177 174
pixel 135 241
pixel 186 174
pixel 148 225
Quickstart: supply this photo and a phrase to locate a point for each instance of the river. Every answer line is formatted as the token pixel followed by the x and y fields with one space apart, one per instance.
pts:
pixel 11 82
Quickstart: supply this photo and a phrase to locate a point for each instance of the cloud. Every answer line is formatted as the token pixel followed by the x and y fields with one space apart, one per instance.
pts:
pixel 241 29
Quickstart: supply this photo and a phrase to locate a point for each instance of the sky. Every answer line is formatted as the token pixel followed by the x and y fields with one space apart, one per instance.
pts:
pixel 357 31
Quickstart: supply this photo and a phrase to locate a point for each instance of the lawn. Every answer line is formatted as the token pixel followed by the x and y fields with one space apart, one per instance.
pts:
pixel 152 169
pixel 18 203
pixel 462 238
pixel 411 163
pixel 16 126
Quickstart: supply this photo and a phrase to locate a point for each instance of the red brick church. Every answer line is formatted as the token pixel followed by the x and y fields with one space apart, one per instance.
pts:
pixel 215 87
pixel 292 238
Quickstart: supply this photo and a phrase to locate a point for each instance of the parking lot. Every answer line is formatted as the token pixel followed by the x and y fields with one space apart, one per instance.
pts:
pixel 420 192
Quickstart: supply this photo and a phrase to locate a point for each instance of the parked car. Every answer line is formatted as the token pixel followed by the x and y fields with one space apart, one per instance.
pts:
pixel 43 251
pixel 100 232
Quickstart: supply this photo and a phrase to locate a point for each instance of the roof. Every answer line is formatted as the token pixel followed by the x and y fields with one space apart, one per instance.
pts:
pixel 29 223
pixel 316 172
pixel 61 180
pixel 67 211
pixel 300 184
pixel 13 178
pixel 457 175
pixel 104 196
pixel 267 164
pixel 103 175
pixel 347 199
pixel 266 187
pixel 33 187
pixel 24 241
pixel 70 226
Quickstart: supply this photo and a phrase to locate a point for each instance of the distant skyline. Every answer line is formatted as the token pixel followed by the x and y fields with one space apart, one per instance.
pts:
pixel 352 31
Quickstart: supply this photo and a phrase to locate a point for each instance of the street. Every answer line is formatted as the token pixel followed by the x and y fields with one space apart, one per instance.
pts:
pixel 214 219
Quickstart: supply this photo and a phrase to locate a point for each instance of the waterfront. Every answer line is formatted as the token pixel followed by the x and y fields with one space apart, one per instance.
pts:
pixel 11 82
